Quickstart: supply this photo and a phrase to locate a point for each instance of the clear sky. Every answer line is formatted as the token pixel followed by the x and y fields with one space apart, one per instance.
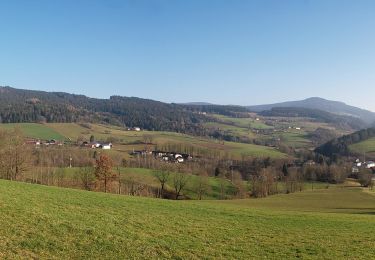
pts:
pixel 221 51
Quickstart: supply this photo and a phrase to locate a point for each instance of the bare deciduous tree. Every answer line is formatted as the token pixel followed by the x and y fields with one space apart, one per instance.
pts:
pixel 103 170
pixel 202 186
pixel 162 176
pixel 180 180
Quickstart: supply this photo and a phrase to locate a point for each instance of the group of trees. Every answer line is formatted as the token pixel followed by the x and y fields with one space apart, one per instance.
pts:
pixel 14 154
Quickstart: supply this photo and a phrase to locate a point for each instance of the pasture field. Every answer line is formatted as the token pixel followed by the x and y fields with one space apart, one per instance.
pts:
pixel 131 138
pixel 33 130
pixel 233 130
pixel 295 139
pixel 146 176
pixel 53 223
pixel 242 122
pixel 367 147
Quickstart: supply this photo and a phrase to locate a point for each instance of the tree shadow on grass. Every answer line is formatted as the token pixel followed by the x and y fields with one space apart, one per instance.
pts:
pixel 361 211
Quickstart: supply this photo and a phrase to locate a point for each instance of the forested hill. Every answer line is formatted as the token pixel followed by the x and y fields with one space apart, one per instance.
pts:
pixel 340 146
pixel 226 110
pixel 18 106
pixel 334 107
pixel 340 121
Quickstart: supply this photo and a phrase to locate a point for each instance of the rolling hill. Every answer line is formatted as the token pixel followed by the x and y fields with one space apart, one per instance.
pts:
pixel 334 107
pixel 29 106
pixel 339 121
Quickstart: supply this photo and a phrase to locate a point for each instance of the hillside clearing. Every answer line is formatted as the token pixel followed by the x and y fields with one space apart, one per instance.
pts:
pixel 367 147
pixel 33 130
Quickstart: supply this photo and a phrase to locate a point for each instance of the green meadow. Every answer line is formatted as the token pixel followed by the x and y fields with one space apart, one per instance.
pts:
pixel 43 222
pixel 367 147
pixel 242 122
pixel 33 130
pixel 162 138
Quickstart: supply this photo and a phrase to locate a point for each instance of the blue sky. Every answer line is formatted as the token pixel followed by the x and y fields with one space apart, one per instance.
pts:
pixel 219 51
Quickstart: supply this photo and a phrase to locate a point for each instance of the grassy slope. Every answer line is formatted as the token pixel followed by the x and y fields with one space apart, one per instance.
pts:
pixel 46 222
pixel 295 139
pixel 146 176
pixel 367 146
pixel 42 131
pixel 242 122
pixel 62 131
pixel 103 132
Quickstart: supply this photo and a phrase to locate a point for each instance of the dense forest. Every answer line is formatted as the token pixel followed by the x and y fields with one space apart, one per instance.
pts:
pixel 341 121
pixel 21 106
pixel 340 146
pixel 17 106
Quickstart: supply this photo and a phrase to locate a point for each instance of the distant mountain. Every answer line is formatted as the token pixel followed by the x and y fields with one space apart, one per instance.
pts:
pixel 340 146
pixel 334 107
pixel 197 104
pixel 344 122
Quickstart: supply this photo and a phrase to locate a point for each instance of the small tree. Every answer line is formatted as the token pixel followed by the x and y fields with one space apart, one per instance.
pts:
pixel 310 174
pixel 180 181
pixel 103 170
pixel 239 185
pixel 162 176
pixel 92 139
pixel 202 186
pixel 365 178
pixel 87 177
pixel 285 170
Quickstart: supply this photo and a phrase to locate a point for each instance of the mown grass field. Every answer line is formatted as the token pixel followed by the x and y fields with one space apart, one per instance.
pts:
pixel 367 147
pixel 33 130
pixel 295 139
pixel 46 222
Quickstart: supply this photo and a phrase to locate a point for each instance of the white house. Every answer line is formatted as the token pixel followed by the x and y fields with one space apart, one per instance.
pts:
pixel 107 146
pixel 137 129
pixel 370 164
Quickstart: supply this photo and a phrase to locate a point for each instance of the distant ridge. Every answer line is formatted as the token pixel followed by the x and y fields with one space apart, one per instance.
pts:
pixel 334 107
pixel 197 104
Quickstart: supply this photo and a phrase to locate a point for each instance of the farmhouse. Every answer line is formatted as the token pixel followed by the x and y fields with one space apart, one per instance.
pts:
pixel 106 146
pixel 370 164
pixel 171 156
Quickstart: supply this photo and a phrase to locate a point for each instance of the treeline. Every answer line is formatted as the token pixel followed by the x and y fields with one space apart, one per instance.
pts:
pixel 340 121
pixel 227 110
pixel 340 146
pixel 18 106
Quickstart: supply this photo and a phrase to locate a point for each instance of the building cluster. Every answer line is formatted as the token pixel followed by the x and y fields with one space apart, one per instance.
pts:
pixel 38 143
pixel 97 145
pixel 137 129
pixel 93 145
pixel 165 156
pixel 366 165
